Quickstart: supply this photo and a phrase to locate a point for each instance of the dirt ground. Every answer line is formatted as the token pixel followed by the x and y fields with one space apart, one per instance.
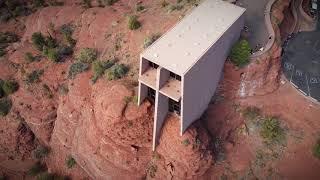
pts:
pixel 111 138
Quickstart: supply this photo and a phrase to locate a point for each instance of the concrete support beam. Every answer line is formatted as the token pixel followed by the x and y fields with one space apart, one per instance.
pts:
pixel 143 93
pixel 160 115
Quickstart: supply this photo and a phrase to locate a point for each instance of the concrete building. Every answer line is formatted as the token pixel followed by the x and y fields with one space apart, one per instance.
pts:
pixel 181 70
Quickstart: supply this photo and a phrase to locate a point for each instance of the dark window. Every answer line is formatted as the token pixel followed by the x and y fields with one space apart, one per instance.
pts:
pixel 174 106
pixel 153 65
pixel 175 76
pixel 151 94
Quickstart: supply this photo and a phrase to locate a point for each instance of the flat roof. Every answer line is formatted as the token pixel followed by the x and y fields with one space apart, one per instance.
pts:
pixel 183 45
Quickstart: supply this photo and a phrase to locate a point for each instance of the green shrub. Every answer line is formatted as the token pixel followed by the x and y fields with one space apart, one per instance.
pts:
pixel 151 170
pixel 38 3
pixel 2 94
pixel 186 142
pixel 99 68
pixel 271 130
pixel 8 37
pixel 9 87
pixel 38 40
pixel 34 76
pixel 240 53
pixel 2 52
pixel 133 23
pixel 46 176
pixel 5 106
pixel 117 72
pixel 64 51
pixel 70 162
pixel 67 31
pixel 40 152
pixel 149 40
pixel 52 54
pixel 316 149
pixel 87 55
pixel 174 7
pixel 107 2
pixel 140 7
pixel 86 4
pixel 164 3
pixel 50 42
pixel 77 68
pixel 29 57
pixel 36 169
pixel 251 113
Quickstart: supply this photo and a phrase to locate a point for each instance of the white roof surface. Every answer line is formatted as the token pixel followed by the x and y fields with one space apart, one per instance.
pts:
pixel 181 47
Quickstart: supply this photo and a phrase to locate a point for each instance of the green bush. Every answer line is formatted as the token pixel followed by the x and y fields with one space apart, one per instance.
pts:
pixel 316 149
pixel 77 68
pixel 107 2
pixel 67 31
pixel 164 3
pixel 271 130
pixel 52 54
pixel 70 162
pixel 46 176
pixel 150 40
pixel 99 67
pixel 40 152
pixel 38 40
pixel 5 106
pixel 8 37
pixel 2 94
pixel 86 4
pixel 151 170
pixel 36 169
pixel 117 72
pixel 133 23
pixel 9 87
pixel 140 7
pixel 251 113
pixel 29 57
pixel 186 142
pixel 34 76
pixel 87 55
pixel 50 42
pixel 38 3
pixel 2 52
pixel 240 53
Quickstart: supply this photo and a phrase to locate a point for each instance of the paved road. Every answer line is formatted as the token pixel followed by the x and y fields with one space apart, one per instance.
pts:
pixel 258 34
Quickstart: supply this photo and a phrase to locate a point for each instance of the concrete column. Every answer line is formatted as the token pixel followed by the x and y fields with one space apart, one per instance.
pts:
pixel 160 115
pixel 143 93
pixel 144 64
pixel 163 77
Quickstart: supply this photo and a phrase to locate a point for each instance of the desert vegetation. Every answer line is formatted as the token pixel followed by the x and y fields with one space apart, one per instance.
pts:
pixel 70 162
pixel 240 53
pixel 99 68
pixel 133 22
pixel 40 152
pixel 316 149
pixel 5 39
pixel 150 40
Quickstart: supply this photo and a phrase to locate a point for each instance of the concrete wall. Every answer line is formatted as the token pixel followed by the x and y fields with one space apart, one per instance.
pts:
pixel 200 82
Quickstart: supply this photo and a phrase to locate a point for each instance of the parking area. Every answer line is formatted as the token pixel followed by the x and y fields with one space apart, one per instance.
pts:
pixel 257 33
pixel 301 63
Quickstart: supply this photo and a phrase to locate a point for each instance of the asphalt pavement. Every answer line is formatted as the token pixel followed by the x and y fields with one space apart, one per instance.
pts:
pixel 254 19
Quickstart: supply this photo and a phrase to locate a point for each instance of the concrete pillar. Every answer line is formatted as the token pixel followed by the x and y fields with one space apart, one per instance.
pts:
pixel 143 93
pixel 160 115
pixel 144 65
pixel 163 76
